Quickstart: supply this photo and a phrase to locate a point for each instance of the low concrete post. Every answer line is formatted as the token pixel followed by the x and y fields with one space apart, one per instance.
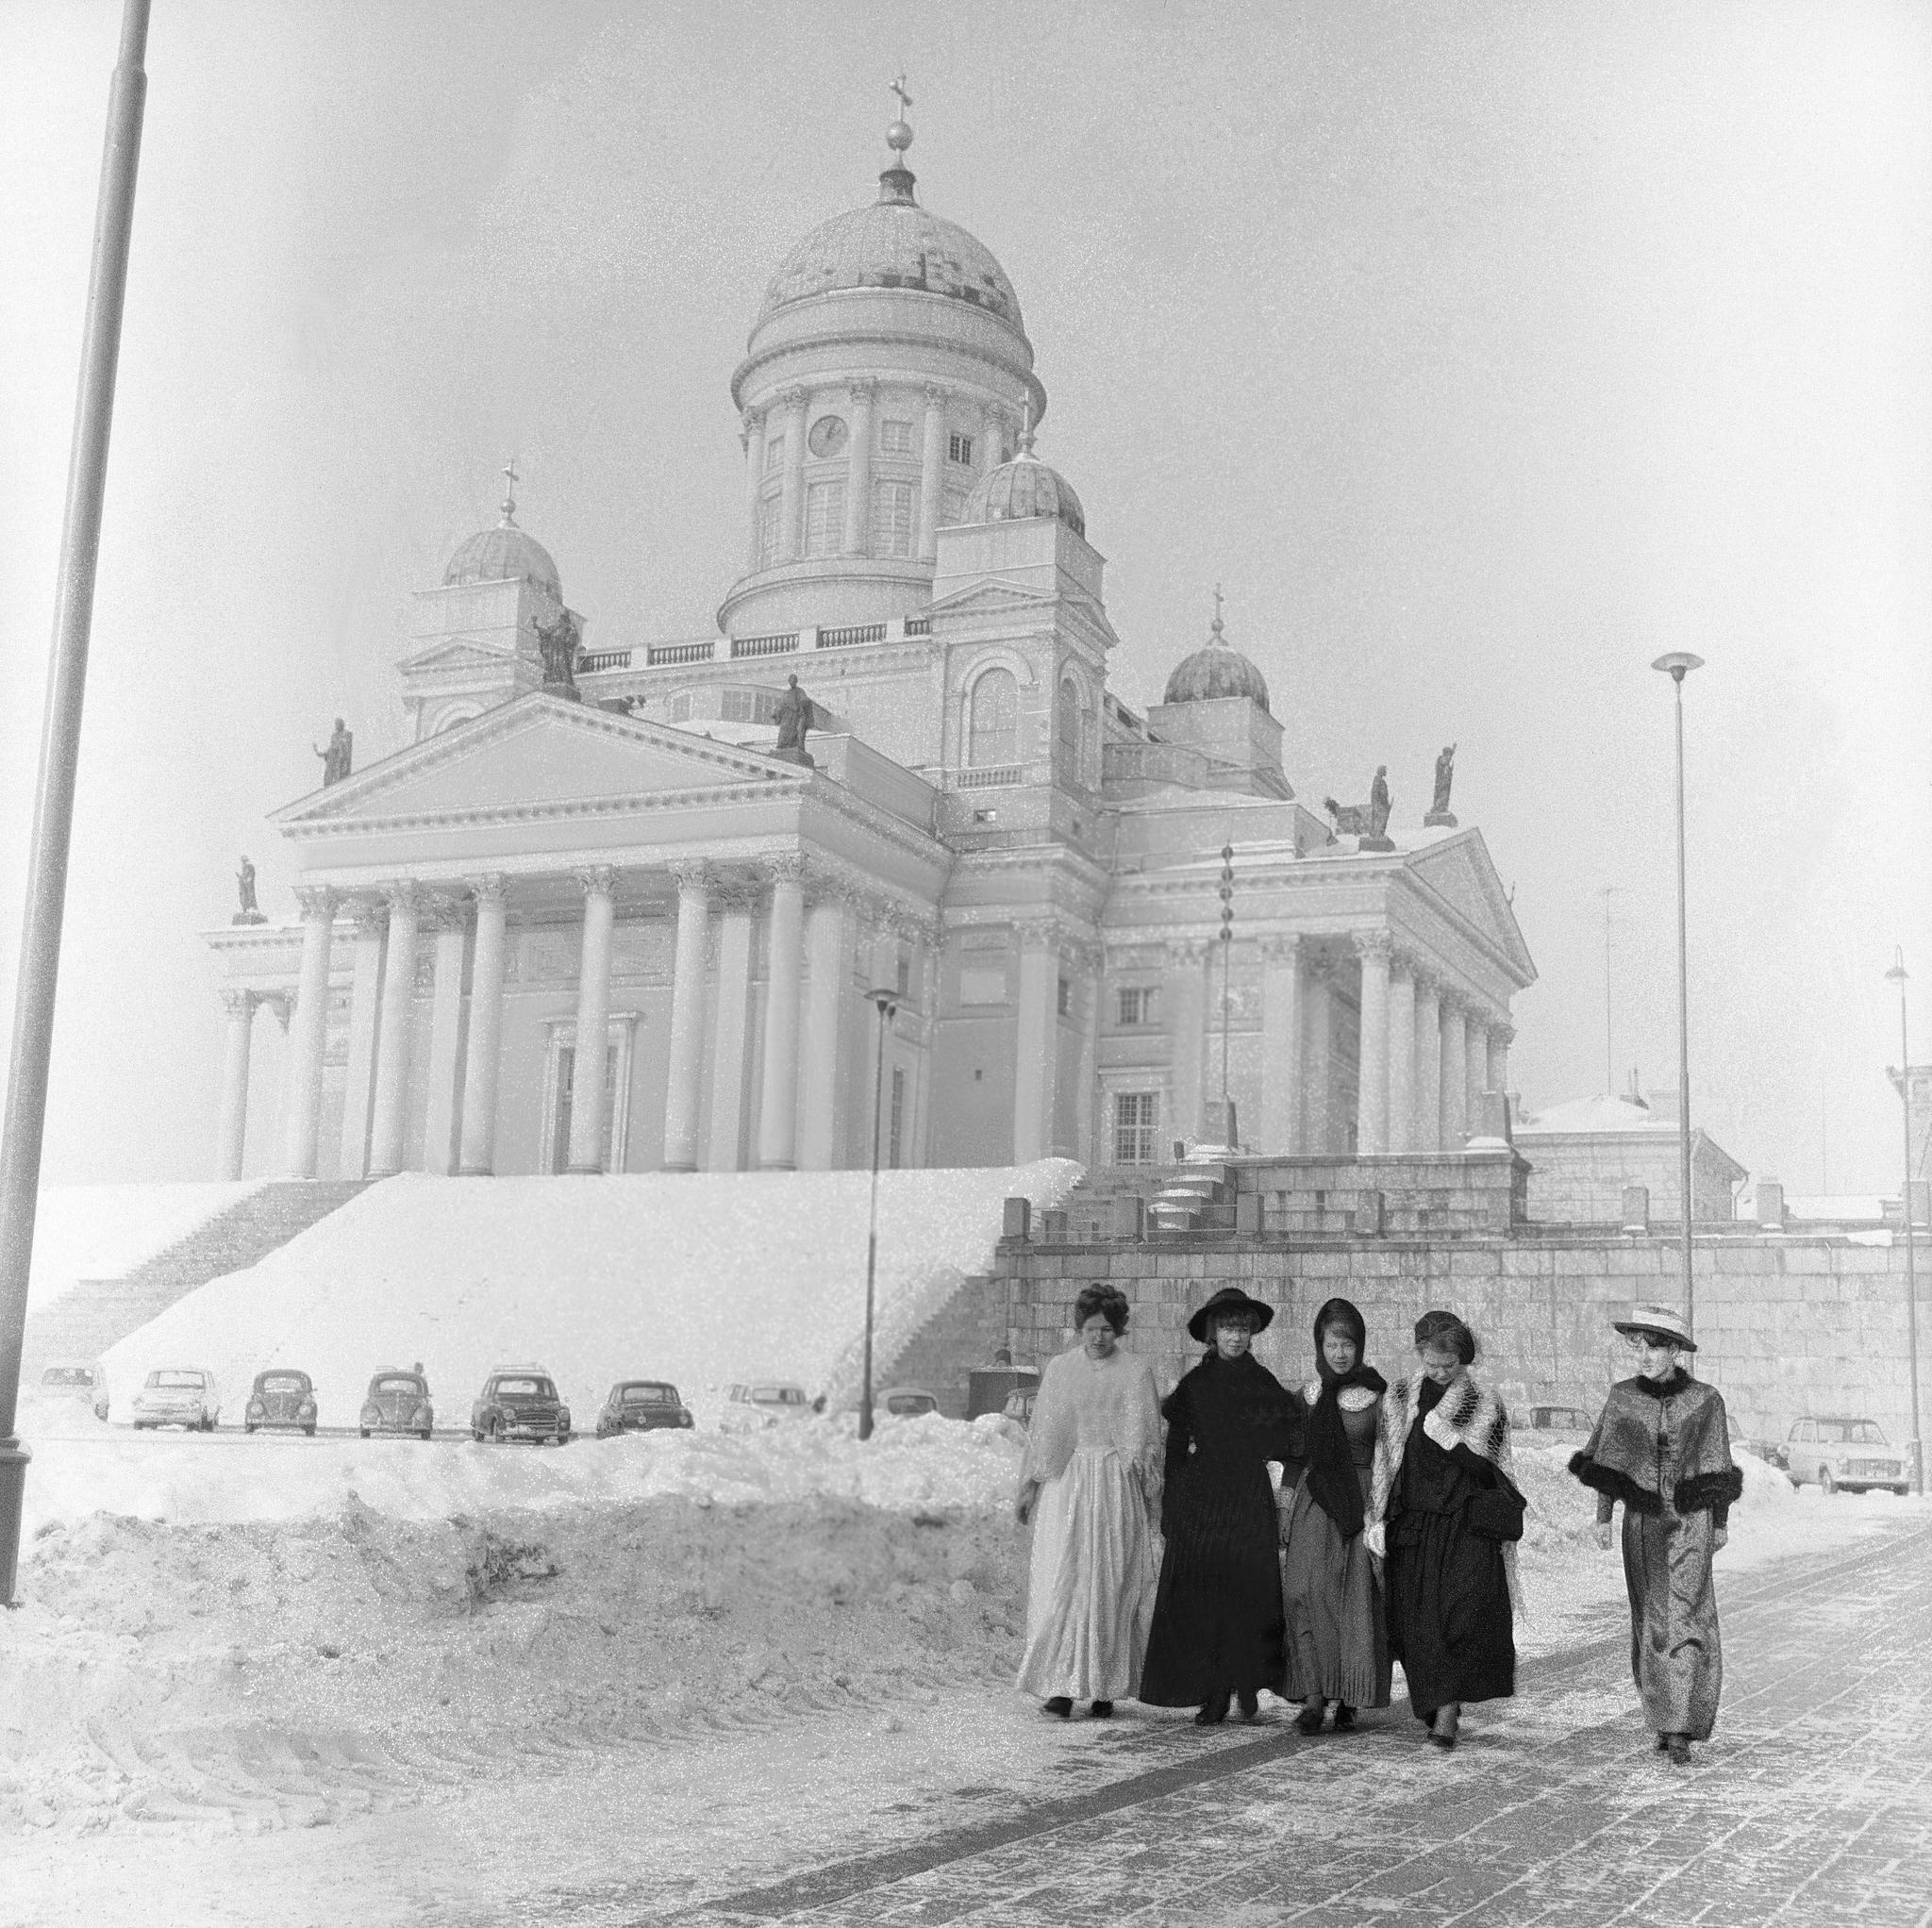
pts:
pixel 1016 1219
pixel 1053 1227
pixel 1771 1205
pixel 1247 1214
pixel 1637 1209
pixel 1130 1218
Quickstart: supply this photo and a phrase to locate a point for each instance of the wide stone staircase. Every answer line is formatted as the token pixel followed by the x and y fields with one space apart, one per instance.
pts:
pixel 962 1334
pixel 85 1321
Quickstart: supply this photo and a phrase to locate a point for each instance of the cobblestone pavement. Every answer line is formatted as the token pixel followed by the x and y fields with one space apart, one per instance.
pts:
pixel 1812 1804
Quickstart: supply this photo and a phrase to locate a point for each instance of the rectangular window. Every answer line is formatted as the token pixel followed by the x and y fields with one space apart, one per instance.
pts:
pixel 1136 1003
pixel 896 1128
pixel 768 531
pixel 959 448
pixel 824 519
pixel 1133 1127
pixel 903 977
pixel 892 518
pixel 774 453
pixel 895 438
pixel 1065 1001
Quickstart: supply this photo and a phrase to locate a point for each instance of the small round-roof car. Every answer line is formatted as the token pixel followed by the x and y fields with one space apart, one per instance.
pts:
pixel 642 1405
pixel 281 1397
pixel 397 1403
pixel 904 1402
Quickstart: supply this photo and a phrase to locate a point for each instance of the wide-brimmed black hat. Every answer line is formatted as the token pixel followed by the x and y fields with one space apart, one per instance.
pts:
pixel 1229 1299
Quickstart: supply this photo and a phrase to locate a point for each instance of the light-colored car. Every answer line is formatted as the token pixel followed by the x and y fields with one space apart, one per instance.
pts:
pixel 1834 1450
pixel 178 1396
pixel 397 1403
pixel 904 1402
pixel 70 1376
pixel 759 1403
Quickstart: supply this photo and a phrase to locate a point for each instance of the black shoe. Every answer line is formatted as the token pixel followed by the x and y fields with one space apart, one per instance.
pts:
pixel 1442 1732
pixel 1663 1743
pixel 1213 1711
pixel 1103 1710
pixel 1344 1717
pixel 1249 1700
pixel 1308 1720
pixel 1679 1747
pixel 1061 1706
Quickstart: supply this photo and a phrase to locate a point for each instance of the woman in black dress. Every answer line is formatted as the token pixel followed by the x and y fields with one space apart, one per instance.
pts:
pixel 1443 1511
pixel 1216 1630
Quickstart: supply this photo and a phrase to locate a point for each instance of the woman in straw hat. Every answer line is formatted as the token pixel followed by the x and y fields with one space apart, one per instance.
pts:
pixel 1217 1632
pixel 1090 1488
pixel 1444 1510
pixel 1663 1447
pixel 1338 1647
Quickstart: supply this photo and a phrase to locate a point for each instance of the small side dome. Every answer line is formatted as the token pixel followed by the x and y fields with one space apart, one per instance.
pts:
pixel 504 553
pixel 1216 670
pixel 1023 488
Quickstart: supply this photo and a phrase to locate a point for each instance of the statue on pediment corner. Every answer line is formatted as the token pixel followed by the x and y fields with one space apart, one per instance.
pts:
pixel 794 713
pixel 244 888
pixel 339 755
pixel 1440 813
pixel 558 643
pixel 1368 822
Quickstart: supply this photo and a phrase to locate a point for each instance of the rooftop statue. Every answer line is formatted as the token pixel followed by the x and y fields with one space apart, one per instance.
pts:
pixel 1446 775
pixel 244 888
pixel 794 714
pixel 338 756
pixel 1369 821
pixel 558 643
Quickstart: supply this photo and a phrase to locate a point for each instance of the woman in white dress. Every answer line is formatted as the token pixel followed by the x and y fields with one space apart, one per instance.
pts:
pixel 1090 1488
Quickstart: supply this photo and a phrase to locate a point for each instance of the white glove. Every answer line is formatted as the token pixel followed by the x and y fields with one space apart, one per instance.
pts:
pixel 1375 1537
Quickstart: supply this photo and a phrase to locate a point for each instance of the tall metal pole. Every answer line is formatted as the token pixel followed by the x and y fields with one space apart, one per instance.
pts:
pixel 888 1001
pixel 1897 974
pixel 1677 665
pixel 46 887
pixel 1609 892
pixel 1228 1134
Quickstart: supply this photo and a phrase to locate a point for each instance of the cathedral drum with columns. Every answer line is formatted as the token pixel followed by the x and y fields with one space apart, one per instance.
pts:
pixel 600 925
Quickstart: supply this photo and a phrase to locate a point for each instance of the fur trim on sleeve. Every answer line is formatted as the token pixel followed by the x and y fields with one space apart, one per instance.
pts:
pixel 1620 1486
pixel 1716 1492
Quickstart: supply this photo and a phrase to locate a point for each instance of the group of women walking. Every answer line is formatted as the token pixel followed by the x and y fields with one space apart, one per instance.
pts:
pixel 1166 1568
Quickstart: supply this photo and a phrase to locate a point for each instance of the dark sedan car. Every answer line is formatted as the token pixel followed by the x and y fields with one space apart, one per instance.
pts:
pixel 281 1397
pixel 398 1403
pixel 641 1406
pixel 520 1402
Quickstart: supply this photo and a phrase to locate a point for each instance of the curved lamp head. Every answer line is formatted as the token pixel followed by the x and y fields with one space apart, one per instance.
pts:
pixel 1678 664
pixel 1898 972
pixel 887 1001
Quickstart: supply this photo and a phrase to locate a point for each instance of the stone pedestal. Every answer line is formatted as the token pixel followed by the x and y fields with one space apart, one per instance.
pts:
pixel 801 757
pixel 1439 820
pixel 1376 845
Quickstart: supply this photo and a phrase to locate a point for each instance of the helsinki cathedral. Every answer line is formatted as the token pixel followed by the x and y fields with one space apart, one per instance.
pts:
pixel 978 914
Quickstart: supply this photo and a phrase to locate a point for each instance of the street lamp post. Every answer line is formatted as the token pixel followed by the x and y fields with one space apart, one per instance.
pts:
pixel 1898 975
pixel 886 1002
pixel 1676 666
pixel 46 883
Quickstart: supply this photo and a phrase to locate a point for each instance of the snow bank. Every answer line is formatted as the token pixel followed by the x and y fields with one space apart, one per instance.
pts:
pixel 702 1278
pixel 105 1231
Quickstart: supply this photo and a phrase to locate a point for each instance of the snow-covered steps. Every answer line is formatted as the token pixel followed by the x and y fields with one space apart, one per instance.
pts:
pixel 1197 1198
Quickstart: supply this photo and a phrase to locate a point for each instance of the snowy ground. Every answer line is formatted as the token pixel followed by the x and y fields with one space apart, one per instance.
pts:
pixel 105 1231
pixel 607 1279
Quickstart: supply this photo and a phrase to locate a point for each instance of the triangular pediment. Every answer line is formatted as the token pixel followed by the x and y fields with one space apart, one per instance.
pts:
pixel 989 595
pixel 538 754
pixel 1458 871
pixel 457 653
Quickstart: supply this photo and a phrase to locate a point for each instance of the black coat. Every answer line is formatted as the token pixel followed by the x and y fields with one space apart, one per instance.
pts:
pixel 1218 1618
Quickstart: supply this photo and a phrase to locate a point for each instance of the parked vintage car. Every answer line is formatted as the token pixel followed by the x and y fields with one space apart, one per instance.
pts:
pixel 281 1397
pixel 904 1402
pixel 1019 1404
pixel 520 1402
pixel 763 1403
pixel 398 1403
pixel 1834 1450
pixel 1558 1419
pixel 178 1396
pixel 641 1406
pixel 69 1375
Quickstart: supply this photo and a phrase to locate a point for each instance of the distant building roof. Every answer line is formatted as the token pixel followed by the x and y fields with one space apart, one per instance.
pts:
pixel 1604 1113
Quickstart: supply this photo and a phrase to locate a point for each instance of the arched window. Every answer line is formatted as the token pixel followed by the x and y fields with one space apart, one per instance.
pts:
pixel 994 719
pixel 1070 717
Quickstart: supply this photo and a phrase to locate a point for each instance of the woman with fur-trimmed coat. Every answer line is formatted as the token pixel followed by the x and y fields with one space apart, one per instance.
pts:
pixel 1663 1447
pixel 1444 1512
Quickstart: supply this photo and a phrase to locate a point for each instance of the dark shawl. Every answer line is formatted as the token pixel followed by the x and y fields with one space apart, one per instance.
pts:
pixel 1332 1482
pixel 1663 1438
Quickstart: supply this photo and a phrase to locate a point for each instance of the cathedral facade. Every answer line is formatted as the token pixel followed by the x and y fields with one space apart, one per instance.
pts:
pixel 979 922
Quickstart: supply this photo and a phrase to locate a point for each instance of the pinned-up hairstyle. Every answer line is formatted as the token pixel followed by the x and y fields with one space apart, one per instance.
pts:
pixel 1108 1301
pixel 1445 1330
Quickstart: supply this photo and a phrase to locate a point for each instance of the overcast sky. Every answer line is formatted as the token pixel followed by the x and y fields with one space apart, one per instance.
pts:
pixel 1482 352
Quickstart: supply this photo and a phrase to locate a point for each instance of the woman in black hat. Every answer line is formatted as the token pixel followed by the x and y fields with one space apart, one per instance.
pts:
pixel 1217 1628
pixel 1663 1447
pixel 1444 1512
pixel 1337 1646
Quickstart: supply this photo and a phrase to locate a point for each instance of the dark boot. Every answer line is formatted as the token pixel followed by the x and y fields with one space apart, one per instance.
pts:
pixel 1679 1747
pixel 1249 1700
pixel 1061 1706
pixel 1213 1711
pixel 1442 1729
pixel 1344 1717
pixel 1309 1719
pixel 1103 1710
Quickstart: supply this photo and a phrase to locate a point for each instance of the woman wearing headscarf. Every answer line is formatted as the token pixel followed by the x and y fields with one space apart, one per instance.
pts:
pixel 1444 1510
pixel 1091 1486
pixel 1663 1447
pixel 1217 1629
pixel 1338 1645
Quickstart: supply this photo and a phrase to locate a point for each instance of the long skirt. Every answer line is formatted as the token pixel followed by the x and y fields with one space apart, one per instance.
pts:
pixel 1091 1586
pixel 1338 1641
pixel 1449 1613
pixel 1674 1653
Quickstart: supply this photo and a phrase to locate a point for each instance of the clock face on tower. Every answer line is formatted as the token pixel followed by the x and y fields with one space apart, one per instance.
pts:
pixel 828 435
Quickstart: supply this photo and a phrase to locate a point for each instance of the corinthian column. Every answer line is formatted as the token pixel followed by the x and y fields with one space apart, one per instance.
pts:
pixel 1476 1064
pixel 359 1079
pixel 1501 1038
pixel 446 1042
pixel 309 1033
pixel 779 1099
pixel 1372 1082
pixel 1281 1045
pixel 681 1085
pixel 1036 1069
pixel 859 470
pixel 932 474
pixel 231 1130
pixel 792 504
pixel 1318 1075
pixel 730 1050
pixel 1428 1063
pixel 754 481
pixel 1401 1057
pixel 392 1042
pixel 478 1158
pixel 1455 1072
pixel 593 1020
pixel 826 948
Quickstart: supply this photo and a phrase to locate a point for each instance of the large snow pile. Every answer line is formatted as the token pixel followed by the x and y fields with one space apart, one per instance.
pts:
pixel 700 1278
pixel 105 1231
pixel 188 1478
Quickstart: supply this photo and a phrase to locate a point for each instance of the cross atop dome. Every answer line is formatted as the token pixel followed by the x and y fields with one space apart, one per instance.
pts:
pixel 1214 628
pixel 511 479
pixel 896 184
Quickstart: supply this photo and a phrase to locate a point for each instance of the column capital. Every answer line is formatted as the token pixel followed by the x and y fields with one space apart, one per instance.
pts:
pixel 1283 947
pixel 1456 1002
pixel 404 894
pixel 692 873
pixel 239 1003
pixel 1429 983
pixel 442 910
pixel 368 913
pixel 785 867
pixel 1182 952
pixel 316 900
pixel 1370 944
pixel 797 398
pixel 936 395
pixel 596 880
pixel 1038 933
pixel 490 888
pixel 751 422
pixel 1401 963
pixel 862 388
pixel 281 1004
pixel 1504 1033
